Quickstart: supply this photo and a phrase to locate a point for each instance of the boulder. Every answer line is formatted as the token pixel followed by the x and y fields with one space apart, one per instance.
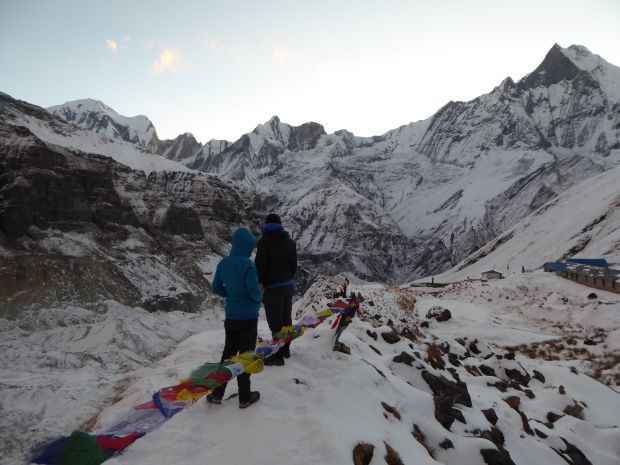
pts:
pixel 438 313
pixel 446 393
pixel 362 453
pixel 496 457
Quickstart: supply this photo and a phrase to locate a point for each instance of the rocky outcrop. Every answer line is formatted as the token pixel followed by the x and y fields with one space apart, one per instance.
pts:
pixel 77 228
pixel 180 148
pixel 438 313
pixel 446 393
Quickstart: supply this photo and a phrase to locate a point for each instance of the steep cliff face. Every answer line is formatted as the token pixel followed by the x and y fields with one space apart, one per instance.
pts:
pixel 448 184
pixel 78 228
pixel 179 148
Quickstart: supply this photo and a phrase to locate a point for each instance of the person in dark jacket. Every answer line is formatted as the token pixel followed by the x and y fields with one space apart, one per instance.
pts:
pixel 276 263
pixel 236 279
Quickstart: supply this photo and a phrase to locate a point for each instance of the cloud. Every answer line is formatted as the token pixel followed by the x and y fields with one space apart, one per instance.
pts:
pixel 169 61
pixel 111 45
pixel 115 46
pixel 283 54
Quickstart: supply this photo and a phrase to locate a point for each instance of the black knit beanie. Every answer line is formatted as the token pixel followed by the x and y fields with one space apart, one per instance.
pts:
pixel 273 218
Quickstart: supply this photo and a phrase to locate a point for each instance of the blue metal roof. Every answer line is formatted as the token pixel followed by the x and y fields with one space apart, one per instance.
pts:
pixel 590 261
pixel 554 266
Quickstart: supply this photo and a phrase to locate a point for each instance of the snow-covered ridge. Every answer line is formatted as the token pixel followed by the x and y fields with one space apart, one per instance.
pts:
pixel 605 73
pixel 446 393
pixel 96 116
pixel 57 131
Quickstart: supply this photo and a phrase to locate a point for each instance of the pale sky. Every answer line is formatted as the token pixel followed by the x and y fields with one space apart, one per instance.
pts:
pixel 219 68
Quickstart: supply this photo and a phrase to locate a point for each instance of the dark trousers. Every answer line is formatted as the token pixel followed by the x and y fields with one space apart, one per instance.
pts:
pixel 240 338
pixel 278 303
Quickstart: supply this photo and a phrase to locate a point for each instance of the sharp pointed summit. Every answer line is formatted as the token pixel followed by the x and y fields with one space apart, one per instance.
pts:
pixel 554 68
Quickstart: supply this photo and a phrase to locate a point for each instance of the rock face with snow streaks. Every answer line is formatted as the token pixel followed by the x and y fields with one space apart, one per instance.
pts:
pixel 448 184
pixel 76 228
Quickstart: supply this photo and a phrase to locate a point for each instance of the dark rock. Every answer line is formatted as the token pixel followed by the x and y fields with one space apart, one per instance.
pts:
pixel 472 370
pixel 424 324
pixel 500 385
pixel 454 359
pixel 589 342
pixel 490 415
pixel 405 358
pixel 377 351
pixel 529 393
pixel 181 220
pixel 446 444
pixel 388 408
pixel 513 401
pixel 372 334
pixel 540 434
pixel 486 370
pixel 592 296
pixel 446 393
pixel 538 375
pixel 494 435
pixel 434 354
pixel 574 410
pixel 362 453
pixel 572 454
pixel 473 346
pixel 509 356
pixel 496 457
pixel 406 332
pixel 516 375
pixel 438 313
pixel 392 457
pixel 421 438
pixel 553 417
pixel 454 373
pixel 184 302
pixel 390 337
pixel 526 424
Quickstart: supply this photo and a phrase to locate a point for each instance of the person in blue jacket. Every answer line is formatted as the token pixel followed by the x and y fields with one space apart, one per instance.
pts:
pixel 236 279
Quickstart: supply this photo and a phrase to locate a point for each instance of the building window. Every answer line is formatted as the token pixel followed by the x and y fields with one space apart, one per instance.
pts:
pixel 603 282
pixel 594 280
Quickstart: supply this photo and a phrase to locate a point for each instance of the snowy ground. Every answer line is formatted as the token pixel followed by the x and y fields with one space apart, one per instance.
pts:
pixel 322 403
pixel 61 366
pixel 539 314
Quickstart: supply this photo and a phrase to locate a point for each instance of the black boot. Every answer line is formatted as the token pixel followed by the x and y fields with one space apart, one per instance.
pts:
pixel 213 399
pixel 286 350
pixel 254 396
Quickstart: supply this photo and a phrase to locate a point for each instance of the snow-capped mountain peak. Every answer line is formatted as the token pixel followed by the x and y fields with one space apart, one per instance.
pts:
pixel 96 116
pixel 451 182
pixel 576 60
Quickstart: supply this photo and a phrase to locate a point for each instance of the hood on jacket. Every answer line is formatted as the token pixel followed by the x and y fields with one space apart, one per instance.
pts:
pixel 271 227
pixel 243 242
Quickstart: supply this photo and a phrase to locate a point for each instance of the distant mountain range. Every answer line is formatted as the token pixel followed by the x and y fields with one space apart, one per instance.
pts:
pixel 412 202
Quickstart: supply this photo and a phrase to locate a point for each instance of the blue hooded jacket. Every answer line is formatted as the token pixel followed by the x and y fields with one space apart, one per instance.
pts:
pixel 236 279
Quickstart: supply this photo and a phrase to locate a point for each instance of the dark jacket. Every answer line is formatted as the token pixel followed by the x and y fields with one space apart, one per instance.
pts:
pixel 276 256
pixel 235 278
